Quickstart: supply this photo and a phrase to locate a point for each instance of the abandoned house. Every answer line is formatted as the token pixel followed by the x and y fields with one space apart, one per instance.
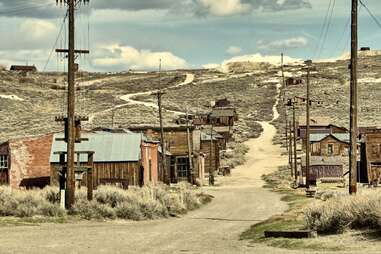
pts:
pixel 370 155
pixel 119 158
pixel 211 147
pixel 24 162
pixel 293 81
pixel 176 140
pixel 23 68
pixel 324 167
pixel 335 144
pixel 318 125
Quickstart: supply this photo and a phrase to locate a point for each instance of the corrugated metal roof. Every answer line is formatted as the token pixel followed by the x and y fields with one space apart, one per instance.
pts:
pixel 108 147
pixel 343 137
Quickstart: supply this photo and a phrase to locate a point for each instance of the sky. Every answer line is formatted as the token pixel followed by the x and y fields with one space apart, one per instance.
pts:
pixel 135 34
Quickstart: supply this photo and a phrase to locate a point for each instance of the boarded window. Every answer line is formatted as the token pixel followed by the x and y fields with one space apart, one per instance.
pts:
pixel 150 169
pixel 3 162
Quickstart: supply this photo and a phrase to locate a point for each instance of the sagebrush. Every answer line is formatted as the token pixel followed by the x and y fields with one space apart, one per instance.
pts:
pixel 150 202
pixel 335 215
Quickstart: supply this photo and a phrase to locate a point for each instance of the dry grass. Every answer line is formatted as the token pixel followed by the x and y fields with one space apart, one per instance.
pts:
pixel 343 212
pixel 109 202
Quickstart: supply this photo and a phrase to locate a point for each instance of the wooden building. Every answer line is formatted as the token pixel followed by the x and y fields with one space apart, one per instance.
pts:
pixel 335 144
pixel 23 68
pixel 119 158
pixel 318 125
pixel 370 154
pixel 324 167
pixel 24 162
pixel 176 139
pixel 293 81
pixel 211 149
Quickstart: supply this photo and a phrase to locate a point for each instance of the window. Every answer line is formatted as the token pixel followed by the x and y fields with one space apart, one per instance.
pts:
pixel 182 164
pixel 330 149
pixel 3 162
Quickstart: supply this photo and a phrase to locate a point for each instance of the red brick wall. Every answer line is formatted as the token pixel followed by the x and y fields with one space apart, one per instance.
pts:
pixel 29 158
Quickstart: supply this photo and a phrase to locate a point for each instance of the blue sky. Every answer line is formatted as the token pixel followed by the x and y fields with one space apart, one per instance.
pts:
pixel 134 34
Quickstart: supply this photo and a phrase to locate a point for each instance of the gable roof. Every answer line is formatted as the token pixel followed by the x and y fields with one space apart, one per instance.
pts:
pixel 341 137
pixel 108 147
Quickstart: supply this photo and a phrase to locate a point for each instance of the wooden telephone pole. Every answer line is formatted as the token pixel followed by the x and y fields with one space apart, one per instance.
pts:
pixel 72 124
pixel 294 141
pixel 308 127
pixel 287 134
pixel 353 101
pixel 189 142
pixel 164 168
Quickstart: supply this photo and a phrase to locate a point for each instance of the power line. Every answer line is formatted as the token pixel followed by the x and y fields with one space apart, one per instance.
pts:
pixel 327 29
pixel 323 28
pixel 58 37
pixel 371 14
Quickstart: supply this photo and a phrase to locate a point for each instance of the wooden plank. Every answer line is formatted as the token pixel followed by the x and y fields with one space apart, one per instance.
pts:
pixel 299 234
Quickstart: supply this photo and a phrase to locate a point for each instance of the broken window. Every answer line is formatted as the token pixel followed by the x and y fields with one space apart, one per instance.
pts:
pixel 3 162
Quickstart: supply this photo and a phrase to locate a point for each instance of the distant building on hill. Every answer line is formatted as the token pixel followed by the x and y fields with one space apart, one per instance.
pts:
pixel 23 68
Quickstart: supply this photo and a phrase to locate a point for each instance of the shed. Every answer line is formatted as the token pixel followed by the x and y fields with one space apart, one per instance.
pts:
pixel 23 68
pixel 324 167
pixel 118 157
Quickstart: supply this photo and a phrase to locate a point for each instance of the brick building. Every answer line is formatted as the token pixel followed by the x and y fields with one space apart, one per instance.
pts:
pixel 24 163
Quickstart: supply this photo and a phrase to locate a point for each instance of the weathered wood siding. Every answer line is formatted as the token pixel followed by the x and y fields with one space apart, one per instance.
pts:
pixel 321 148
pixel 215 157
pixel 320 171
pixel 130 171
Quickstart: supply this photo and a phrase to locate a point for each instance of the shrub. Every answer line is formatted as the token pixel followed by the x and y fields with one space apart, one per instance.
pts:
pixel 129 211
pixel 149 202
pixel 345 212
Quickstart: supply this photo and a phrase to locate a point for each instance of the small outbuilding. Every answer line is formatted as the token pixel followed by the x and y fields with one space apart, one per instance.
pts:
pixel 23 68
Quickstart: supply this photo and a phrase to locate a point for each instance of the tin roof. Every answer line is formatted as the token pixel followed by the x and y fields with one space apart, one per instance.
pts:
pixel 317 137
pixel 108 147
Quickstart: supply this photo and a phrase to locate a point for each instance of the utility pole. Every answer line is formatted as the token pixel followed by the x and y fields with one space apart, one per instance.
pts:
pixel 162 139
pixel 290 148
pixel 295 151
pixel 72 124
pixel 353 102
pixel 211 170
pixel 191 171
pixel 308 128
pixel 285 111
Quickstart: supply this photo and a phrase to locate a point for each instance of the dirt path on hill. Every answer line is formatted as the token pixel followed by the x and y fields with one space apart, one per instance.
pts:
pixel 240 201
pixel 129 99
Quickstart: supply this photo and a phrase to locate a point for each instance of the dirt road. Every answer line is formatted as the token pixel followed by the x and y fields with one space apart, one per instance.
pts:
pixel 240 201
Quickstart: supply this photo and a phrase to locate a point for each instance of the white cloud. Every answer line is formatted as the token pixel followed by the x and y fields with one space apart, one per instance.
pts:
pixel 297 42
pixel 252 59
pixel 128 57
pixel 233 50
pixel 223 7
pixel 37 29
